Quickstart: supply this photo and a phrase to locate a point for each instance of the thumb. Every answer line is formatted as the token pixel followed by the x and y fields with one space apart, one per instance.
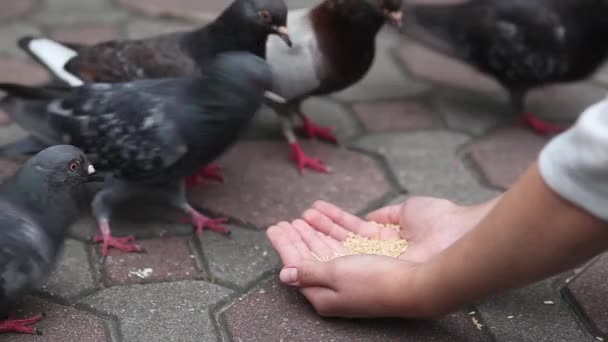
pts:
pixel 386 215
pixel 307 274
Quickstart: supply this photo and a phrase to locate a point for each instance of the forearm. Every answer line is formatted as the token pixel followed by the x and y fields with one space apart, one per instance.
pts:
pixel 530 234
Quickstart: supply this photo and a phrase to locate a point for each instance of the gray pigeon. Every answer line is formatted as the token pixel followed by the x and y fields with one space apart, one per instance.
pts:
pixel 333 48
pixel 150 134
pixel 37 205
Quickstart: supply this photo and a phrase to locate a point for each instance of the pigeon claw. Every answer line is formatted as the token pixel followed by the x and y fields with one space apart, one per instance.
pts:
pixel 202 222
pixel 208 172
pixel 539 126
pixel 21 325
pixel 312 130
pixel 304 161
pixel 125 244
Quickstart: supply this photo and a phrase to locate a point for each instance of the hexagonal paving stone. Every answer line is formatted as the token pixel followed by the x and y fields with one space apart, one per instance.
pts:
pixel 73 275
pixel 532 320
pixel 389 116
pixel 563 102
pixel 470 113
pixel 62 323
pixel 142 28
pixel 239 259
pixel 177 311
pixel 602 74
pixel 4 118
pixel 429 65
pixel 385 80
pixel 88 34
pixel 155 7
pixel 19 71
pixel 426 164
pixel 589 289
pixel 12 9
pixel 11 133
pixel 262 186
pixel 165 259
pixel 9 36
pixel 506 154
pixel 323 111
pixel 276 313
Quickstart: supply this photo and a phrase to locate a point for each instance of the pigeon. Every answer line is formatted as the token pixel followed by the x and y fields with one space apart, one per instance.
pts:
pixel 333 48
pixel 148 135
pixel 37 206
pixel 523 44
pixel 243 26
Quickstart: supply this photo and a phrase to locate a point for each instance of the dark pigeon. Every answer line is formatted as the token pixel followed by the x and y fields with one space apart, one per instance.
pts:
pixel 244 26
pixel 37 205
pixel 333 48
pixel 523 44
pixel 151 134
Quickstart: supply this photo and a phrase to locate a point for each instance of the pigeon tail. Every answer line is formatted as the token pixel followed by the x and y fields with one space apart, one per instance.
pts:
pixel 52 55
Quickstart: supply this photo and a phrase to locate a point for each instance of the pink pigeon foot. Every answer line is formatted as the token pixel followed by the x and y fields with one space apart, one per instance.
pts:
pixel 540 126
pixel 313 130
pixel 125 244
pixel 201 222
pixel 304 161
pixel 208 172
pixel 20 325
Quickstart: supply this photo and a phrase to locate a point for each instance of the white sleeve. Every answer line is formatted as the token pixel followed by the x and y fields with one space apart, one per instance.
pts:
pixel 575 163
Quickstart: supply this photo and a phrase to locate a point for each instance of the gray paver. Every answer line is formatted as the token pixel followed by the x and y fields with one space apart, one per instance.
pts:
pixel 178 311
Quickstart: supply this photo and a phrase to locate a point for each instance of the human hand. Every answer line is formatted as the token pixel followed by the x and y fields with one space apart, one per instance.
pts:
pixel 347 286
pixel 429 224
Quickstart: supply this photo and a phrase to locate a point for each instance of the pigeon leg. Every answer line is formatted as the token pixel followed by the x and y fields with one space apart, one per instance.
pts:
pixel 178 199
pixel 112 193
pixel 20 325
pixel 313 130
pixel 211 171
pixel 297 153
pixel 528 119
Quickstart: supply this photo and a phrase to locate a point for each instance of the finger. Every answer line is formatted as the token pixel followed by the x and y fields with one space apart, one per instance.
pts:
pixel 296 241
pixel 335 245
pixel 346 220
pixel 312 240
pixel 324 225
pixel 310 273
pixel 386 215
pixel 287 252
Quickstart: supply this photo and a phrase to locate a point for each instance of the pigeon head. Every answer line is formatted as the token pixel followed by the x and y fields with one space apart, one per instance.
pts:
pixel 239 78
pixel 62 165
pixel 271 16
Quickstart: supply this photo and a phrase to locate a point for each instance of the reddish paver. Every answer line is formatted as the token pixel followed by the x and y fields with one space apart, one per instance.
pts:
pixel 62 323
pixel 394 115
pixel 293 319
pixel 506 154
pixel 590 290
pixel 426 64
pixel 12 9
pixel 196 7
pixel 19 71
pixel 86 34
pixel 165 259
pixel 7 169
pixel 263 186
pixel 4 118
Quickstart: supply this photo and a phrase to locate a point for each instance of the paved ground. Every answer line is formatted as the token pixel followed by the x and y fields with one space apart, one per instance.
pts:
pixel 419 123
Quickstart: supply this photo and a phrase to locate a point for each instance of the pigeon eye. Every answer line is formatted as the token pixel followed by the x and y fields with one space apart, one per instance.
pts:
pixel 265 16
pixel 73 166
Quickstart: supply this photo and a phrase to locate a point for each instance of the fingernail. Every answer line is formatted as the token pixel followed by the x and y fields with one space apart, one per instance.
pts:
pixel 289 275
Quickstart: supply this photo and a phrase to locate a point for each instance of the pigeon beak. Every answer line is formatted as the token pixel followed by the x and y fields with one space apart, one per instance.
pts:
pixel 394 17
pixel 92 176
pixel 282 32
pixel 274 97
